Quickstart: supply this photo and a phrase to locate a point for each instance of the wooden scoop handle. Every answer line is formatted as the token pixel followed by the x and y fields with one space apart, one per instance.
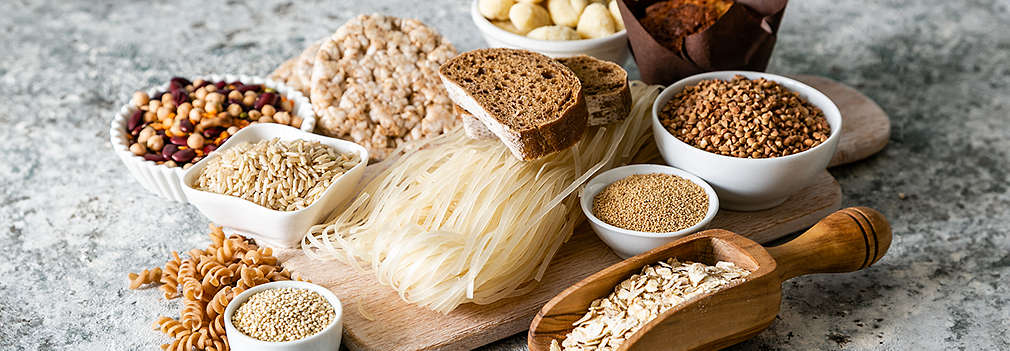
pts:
pixel 845 241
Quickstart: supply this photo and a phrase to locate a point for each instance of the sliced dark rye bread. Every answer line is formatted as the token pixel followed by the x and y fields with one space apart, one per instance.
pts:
pixel 605 85
pixel 531 102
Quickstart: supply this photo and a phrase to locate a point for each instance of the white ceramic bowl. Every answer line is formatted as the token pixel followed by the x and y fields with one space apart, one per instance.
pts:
pixel 626 242
pixel 164 181
pixel 326 340
pixel 612 48
pixel 747 184
pixel 275 228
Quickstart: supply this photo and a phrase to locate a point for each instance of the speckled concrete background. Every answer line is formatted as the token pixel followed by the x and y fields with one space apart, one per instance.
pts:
pixel 74 223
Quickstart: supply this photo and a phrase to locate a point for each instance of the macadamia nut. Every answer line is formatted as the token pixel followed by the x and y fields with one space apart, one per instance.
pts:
pixel 507 25
pixel 554 33
pixel 596 22
pixel 566 12
pixel 615 11
pixel 526 17
pixel 495 9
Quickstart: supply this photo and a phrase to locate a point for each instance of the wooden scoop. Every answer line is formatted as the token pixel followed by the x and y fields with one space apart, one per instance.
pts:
pixel 845 241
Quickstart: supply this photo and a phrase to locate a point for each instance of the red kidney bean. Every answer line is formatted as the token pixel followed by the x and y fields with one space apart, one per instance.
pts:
pixel 220 85
pixel 212 132
pixel 185 125
pixel 251 87
pixel 168 150
pixel 184 155
pixel 135 120
pixel 265 99
pixel 208 148
pixel 180 81
pixel 179 140
pixel 234 101
pixel 160 132
pixel 154 157
pixel 180 96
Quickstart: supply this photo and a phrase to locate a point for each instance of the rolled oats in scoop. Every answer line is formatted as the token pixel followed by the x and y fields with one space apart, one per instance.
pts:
pixel 375 82
pixel 283 314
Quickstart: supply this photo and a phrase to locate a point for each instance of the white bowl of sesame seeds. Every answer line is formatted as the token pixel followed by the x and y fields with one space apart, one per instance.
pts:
pixel 292 307
pixel 628 242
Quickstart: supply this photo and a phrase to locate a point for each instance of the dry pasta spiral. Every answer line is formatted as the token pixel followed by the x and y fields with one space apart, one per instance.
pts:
pixel 146 277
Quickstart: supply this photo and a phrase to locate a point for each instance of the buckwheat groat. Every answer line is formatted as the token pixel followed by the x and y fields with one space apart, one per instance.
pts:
pixel 375 82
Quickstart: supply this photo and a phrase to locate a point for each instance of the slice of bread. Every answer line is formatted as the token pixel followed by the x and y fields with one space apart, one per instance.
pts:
pixel 605 85
pixel 531 102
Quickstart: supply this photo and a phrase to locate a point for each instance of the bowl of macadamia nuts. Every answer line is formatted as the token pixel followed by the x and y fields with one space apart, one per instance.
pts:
pixel 166 129
pixel 556 28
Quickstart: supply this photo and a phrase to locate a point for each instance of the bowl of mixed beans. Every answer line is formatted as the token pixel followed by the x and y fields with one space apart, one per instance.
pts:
pixel 165 130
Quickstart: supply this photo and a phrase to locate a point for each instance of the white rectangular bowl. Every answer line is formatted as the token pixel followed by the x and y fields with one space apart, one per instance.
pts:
pixel 267 226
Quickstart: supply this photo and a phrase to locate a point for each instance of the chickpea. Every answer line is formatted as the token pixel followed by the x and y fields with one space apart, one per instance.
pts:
pixel 170 164
pixel 195 141
pixel 170 105
pixel 249 100
pixel 140 98
pixel 287 105
pixel 215 97
pixel 266 119
pixel 282 117
pixel 210 88
pixel 145 134
pixel 232 130
pixel 268 110
pixel 166 98
pixel 201 93
pixel 153 105
pixel 138 149
pixel 234 110
pixel 196 114
pixel 234 94
pixel 255 115
pixel 184 109
pixel 150 116
pixel 250 93
pixel 198 103
pixel 155 143
pixel 186 166
pixel 198 82
pixel 163 113
pixel 212 107
pixel 296 121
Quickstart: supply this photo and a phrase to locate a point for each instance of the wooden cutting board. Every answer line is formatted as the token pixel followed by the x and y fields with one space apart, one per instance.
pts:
pixel 375 318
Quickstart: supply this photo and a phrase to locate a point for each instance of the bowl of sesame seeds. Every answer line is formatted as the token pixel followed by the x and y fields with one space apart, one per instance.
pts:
pixel 636 208
pixel 284 316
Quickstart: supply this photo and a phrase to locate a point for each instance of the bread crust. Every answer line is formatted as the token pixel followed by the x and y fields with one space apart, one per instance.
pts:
pixel 606 104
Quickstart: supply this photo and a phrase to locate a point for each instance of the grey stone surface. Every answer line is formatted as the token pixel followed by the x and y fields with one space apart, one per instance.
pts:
pixel 74 223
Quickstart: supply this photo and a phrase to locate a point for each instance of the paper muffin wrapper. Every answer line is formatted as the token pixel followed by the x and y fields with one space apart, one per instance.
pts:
pixel 165 181
pixel 742 39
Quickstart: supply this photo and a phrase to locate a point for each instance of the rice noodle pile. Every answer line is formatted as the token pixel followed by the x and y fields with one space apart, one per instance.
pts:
pixel 276 174
pixel 462 220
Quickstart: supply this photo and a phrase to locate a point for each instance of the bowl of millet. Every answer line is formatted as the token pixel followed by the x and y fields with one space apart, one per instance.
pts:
pixel 164 130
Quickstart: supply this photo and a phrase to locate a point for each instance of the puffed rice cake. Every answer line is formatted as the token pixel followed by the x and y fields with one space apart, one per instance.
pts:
pixel 375 82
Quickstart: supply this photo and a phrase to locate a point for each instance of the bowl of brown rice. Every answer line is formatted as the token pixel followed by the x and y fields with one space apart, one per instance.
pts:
pixel 272 182
pixel 636 208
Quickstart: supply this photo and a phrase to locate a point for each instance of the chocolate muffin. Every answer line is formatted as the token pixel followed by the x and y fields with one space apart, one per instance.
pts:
pixel 670 21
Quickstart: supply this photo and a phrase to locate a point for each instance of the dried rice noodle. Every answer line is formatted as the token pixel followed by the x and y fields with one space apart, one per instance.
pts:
pixel 462 220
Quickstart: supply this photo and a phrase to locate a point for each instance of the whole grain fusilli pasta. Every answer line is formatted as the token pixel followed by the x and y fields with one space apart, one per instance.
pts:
pixel 207 280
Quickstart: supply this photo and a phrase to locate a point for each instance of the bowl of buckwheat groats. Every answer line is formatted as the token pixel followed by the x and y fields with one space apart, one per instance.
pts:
pixel 282 316
pixel 272 182
pixel 167 129
pixel 757 138
pixel 636 208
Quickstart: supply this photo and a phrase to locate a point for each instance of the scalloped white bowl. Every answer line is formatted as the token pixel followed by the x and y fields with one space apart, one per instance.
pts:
pixel 164 181
pixel 612 48
pixel 327 339
pixel 274 228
